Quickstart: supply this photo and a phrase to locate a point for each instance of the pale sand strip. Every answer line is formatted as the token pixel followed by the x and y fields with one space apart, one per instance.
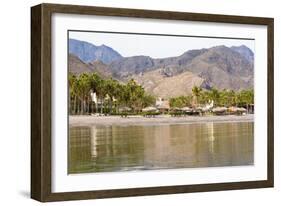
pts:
pixel 162 119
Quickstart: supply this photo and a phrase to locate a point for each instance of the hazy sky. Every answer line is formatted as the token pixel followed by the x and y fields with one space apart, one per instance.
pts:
pixel 154 46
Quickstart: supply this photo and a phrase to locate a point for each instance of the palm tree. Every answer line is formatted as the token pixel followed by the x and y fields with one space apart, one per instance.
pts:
pixel 72 92
pixel 196 91
pixel 204 97
pixel 246 97
pixel 94 86
pixel 225 98
pixel 215 96
pixel 101 92
pixel 148 100
pixel 135 95
pixel 231 98
pixel 111 91
pixel 84 86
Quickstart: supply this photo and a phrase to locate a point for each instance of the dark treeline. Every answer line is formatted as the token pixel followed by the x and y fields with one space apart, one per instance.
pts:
pixel 225 98
pixel 111 97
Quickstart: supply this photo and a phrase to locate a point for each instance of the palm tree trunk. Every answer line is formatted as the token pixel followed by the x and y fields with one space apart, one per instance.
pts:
pixel 96 105
pixel 78 107
pixel 82 106
pixel 101 106
pixel 110 106
pixel 74 105
pixel 117 108
pixel 69 105
pixel 88 106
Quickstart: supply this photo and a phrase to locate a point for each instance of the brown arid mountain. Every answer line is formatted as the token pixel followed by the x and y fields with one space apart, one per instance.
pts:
pixel 125 67
pixel 220 67
pixel 100 68
pixel 157 83
pixel 244 51
pixel 77 66
pixel 223 68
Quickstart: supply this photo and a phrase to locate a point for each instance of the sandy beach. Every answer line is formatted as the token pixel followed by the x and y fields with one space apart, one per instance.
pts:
pixel 83 120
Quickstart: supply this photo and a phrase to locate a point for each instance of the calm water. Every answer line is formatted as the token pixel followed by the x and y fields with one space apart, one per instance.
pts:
pixel 123 148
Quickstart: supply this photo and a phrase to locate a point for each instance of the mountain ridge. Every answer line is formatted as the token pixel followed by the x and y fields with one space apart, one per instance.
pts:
pixel 89 52
pixel 220 67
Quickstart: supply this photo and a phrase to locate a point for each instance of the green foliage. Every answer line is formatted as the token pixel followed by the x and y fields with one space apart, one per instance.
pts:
pixel 223 97
pixel 148 100
pixel 196 91
pixel 245 97
pixel 215 96
pixel 227 98
pixel 181 101
pixel 205 97
pixel 111 94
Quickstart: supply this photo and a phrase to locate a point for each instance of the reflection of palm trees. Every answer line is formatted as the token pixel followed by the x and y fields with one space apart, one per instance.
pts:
pixel 211 137
pixel 79 149
pixel 94 141
pixel 157 146
pixel 113 148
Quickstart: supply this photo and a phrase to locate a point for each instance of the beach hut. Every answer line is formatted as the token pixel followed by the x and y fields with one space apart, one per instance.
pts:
pixel 232 110
pixel 187 110
pixel 197 111
pixel 125 109
pixel 219 110
pixel 164 106
pixel 241 110
pixel 176 109
pixel 237 110
pixel 149 109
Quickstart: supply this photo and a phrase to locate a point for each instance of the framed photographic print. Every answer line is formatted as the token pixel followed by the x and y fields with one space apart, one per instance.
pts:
pixel 130 102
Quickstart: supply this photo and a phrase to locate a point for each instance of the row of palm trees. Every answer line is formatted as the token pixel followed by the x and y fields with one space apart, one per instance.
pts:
pixel 226 98
pixel 89 93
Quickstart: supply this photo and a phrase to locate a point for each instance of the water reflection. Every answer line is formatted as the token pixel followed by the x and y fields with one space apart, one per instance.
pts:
pixel 121 148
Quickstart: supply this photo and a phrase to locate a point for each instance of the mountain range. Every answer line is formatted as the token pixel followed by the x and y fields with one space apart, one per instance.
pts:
pixel 88 52
pixel 220 67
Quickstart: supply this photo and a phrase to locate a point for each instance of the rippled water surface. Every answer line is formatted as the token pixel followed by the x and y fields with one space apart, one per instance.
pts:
pixel 123 148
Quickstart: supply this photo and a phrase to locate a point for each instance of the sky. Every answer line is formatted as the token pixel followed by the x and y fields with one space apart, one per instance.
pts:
pixel 154 46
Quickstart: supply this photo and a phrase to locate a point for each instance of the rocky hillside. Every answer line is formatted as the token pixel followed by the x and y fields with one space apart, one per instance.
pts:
pixel 154 82
pixel 221 67
pixel 88 52
pixel 245 51
pixel 77 66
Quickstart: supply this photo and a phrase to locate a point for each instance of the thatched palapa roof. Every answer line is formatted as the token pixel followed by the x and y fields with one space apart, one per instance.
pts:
pixel 186 109
pixel 149 109
pixel 125 109
pixel 219 109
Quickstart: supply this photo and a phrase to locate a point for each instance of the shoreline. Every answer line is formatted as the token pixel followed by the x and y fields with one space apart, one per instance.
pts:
pixel 87 120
